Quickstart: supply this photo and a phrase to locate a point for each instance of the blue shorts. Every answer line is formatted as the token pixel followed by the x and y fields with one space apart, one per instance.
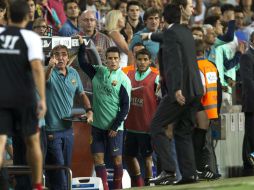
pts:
pixel 100 142
pixel 137 143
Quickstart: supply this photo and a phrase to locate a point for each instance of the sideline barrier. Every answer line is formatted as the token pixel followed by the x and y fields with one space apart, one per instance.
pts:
pixel 21 170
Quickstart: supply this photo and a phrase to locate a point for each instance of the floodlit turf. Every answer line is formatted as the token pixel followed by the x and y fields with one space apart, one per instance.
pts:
pixel 241 183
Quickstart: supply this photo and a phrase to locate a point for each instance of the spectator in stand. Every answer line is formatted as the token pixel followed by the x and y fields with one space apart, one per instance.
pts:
pixel 152 21
pixel 241 33
pixel 31 4
pixel 114 23
pixel 90 5
pixel 154 3
pixel 3 6
pixel 87 24
pixel 122 6
pixel 133 19
pixel 44 10
pixel 40 27
pixel 248 9
pixel 213 11
pixel 70 27
pixel 197 32
pixel 142 108
pixel 111 101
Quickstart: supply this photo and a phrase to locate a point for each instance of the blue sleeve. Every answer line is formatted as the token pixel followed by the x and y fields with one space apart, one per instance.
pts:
pixel 229 64
pixel 86 67
pixel 124 108
pixel 229 36
pixel 136 38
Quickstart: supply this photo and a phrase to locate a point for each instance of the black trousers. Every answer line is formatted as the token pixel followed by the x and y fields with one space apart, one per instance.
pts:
pixel 248 142
pixel 183 118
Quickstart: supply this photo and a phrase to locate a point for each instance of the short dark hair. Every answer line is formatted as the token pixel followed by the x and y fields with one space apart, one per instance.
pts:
pixel 172 14
pixel 143 52
pixel 227 7
pixel 3 4
pixel 199 28
pixel 200 47
pixel 69 1
pixel 137 44
pixel 53 51
pixel 150 12
pixel 238 9
pixel 130 3
pixel 118 3
pixel 113 49
pixel 180 2
pixel 18 10
pixel 212 20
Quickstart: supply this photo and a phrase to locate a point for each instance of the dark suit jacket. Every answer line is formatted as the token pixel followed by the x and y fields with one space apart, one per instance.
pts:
pixel 178 59
pixel 247 75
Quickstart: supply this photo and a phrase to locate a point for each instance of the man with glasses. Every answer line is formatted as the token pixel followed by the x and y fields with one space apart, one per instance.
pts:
pixel 40 27
pixel 87 24
pixel 62 84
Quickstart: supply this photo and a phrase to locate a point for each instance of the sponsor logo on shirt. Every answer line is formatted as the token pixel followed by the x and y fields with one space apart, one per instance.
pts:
pixel 211 77
pixel 137 101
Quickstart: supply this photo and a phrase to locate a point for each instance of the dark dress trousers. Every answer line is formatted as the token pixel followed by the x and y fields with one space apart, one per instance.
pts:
pixel 247 75
pixel 179 71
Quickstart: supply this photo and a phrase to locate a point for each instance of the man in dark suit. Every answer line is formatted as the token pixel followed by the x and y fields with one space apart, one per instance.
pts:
pixel 247 75
pixel 183 87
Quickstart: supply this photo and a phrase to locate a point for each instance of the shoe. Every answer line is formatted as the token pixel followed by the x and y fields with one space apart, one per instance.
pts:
pixel 207 174
pixel 163 179
pixel 184 180
pixel 251 158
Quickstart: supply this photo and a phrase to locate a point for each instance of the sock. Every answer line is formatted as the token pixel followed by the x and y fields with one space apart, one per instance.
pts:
pixel 199 136
pixel 118 175
pixel 137 181
pixel 102 173
pixel 37 186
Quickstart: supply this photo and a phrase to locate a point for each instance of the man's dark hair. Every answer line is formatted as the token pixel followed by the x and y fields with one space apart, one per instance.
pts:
pixel 180 2
pixel 69 1
pixel 130 3
pixel 113 49
pixel 150 12
pixel 238 9
pixel 3 4
pixel 137 44
pixel 227 7
pixel 18 10
pixel 172 14
pixel 143 52
pixel 53 51
pixel 118 3
pixel 200 47
pixel 199 28
pixel 212 20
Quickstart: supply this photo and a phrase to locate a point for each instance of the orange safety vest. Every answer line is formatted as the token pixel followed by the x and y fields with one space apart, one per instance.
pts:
pixel 209 100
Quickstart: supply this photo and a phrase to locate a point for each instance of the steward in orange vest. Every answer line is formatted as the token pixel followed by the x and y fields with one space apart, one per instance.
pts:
pixel 210 75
